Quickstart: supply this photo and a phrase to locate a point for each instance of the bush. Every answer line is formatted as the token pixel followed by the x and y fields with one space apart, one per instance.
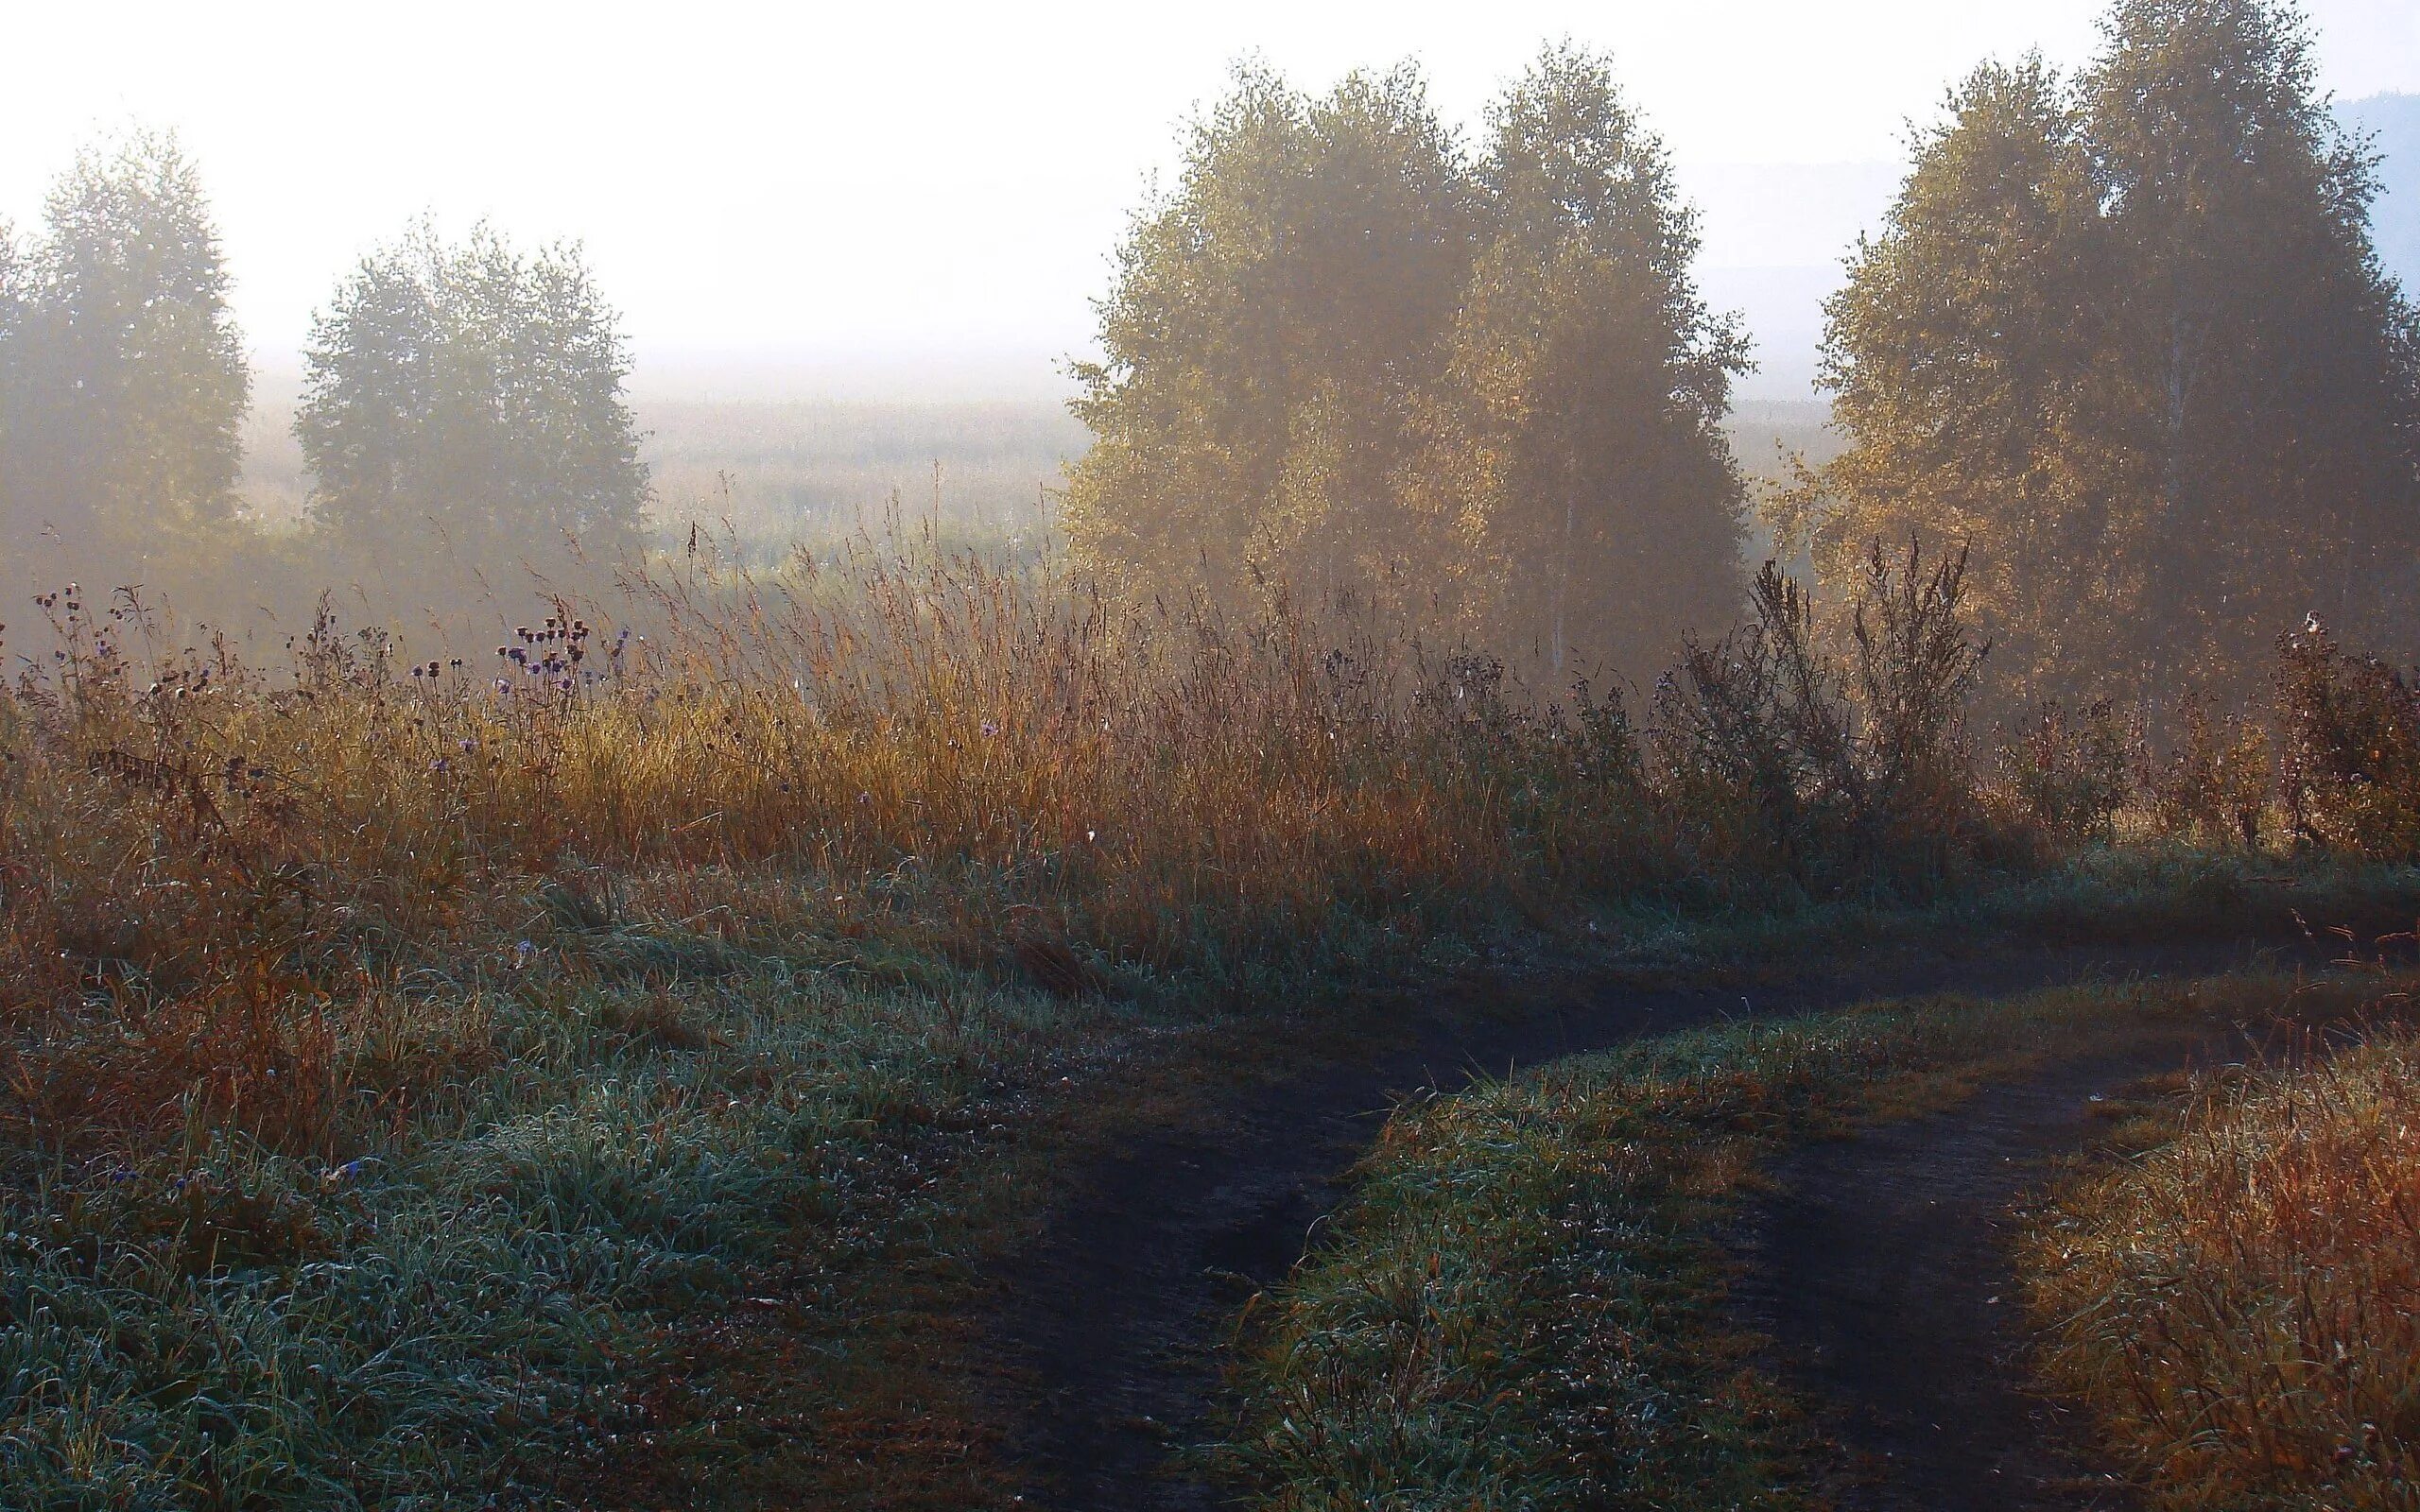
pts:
pixel 2063 776
pixel 2214 787
pixel 2350 738
pixel 1780 753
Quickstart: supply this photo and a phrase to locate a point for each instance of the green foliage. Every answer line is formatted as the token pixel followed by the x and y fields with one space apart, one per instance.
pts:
pixel 16 295
pixel 1343 357
pixel 1960 366
pixel 1265 337
pixel 472 392
pixel 2128 340
pixel 122 376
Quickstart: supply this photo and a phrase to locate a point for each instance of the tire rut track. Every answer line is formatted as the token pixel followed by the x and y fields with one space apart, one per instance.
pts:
pixel 1113 1323
pixel 1883 1275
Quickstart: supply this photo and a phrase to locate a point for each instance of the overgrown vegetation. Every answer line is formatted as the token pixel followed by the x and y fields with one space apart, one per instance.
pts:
pixel 407 1040
pixel 420 1031
pixel 2237 1304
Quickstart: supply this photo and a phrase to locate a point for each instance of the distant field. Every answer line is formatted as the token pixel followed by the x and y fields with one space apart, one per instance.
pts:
pixel 774 470
pixel 778 469
pixel 1765 432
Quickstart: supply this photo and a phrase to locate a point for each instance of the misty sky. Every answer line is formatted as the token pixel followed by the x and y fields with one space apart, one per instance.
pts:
pixel 895 190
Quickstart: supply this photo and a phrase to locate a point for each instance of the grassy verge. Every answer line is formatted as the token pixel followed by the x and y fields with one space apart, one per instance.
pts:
pixel 2137 894
pixel 1521 1306
pixel 552 1159
pixel 653 1214
pixel 2241 1304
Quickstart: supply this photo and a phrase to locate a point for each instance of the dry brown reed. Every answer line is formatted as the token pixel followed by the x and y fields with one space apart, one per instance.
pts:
pixel 979 762
pixel 2242 1307
pixel 985 765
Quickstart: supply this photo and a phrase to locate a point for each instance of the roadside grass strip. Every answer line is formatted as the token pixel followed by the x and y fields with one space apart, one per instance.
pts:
pixel 471 1307
pixel 2240 1303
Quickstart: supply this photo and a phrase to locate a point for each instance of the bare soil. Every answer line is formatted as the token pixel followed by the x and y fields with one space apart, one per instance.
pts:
pixel 1882 1273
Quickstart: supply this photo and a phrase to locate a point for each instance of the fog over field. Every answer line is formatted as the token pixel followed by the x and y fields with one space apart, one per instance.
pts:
pixel 778 212
pixel 777 437
pixel 775 440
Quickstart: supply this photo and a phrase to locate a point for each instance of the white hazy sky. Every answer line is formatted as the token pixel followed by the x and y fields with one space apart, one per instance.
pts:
pixel 910 186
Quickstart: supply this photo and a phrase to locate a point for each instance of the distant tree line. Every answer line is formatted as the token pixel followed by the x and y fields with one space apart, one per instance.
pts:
pixel 123 379
pixel 464 396
pixel 473 389
pixel 1345 354
pixel 2123 338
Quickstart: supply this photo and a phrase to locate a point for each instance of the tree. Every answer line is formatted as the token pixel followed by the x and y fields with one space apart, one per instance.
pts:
pixel 1342 355
pixel 1578 426
pixel 14 297
pixel 1270 328
pixel 474 391
pixel 2128 340
pixel 128 377
pixel 1967 358
pixel 2276 396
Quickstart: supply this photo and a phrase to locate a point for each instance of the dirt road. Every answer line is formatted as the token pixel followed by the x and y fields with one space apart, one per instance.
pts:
pixel 1114 1323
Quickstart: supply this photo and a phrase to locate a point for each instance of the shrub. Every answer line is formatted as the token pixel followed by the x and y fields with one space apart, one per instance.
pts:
pixel 2065 776
pixel 2350 738
pixel 2214 787
pixel 1780 752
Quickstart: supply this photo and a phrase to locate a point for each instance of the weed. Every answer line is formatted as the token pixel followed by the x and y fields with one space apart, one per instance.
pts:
pixel 453 1027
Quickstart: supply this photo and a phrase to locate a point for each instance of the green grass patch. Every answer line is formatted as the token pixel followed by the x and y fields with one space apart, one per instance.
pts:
pixel 551 1172
pixel 649 1215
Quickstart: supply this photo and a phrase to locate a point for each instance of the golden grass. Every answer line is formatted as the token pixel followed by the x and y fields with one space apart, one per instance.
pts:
pixel 2241 1306
pixel 977 763
pixel 982 765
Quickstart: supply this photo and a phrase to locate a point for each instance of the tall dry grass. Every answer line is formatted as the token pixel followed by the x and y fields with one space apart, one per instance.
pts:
pixel 2242 1307
pixel 390 1032
pixel 204 859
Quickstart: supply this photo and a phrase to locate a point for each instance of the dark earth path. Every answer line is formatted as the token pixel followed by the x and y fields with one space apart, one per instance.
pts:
pixel 1882 1272
pixel 1112 1324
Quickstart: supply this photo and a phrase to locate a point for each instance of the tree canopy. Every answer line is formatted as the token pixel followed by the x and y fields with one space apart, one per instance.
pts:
pixel 1344 355
pixel 123 381
pixel 472 394
pixel 1578 440
pixel 2126 336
